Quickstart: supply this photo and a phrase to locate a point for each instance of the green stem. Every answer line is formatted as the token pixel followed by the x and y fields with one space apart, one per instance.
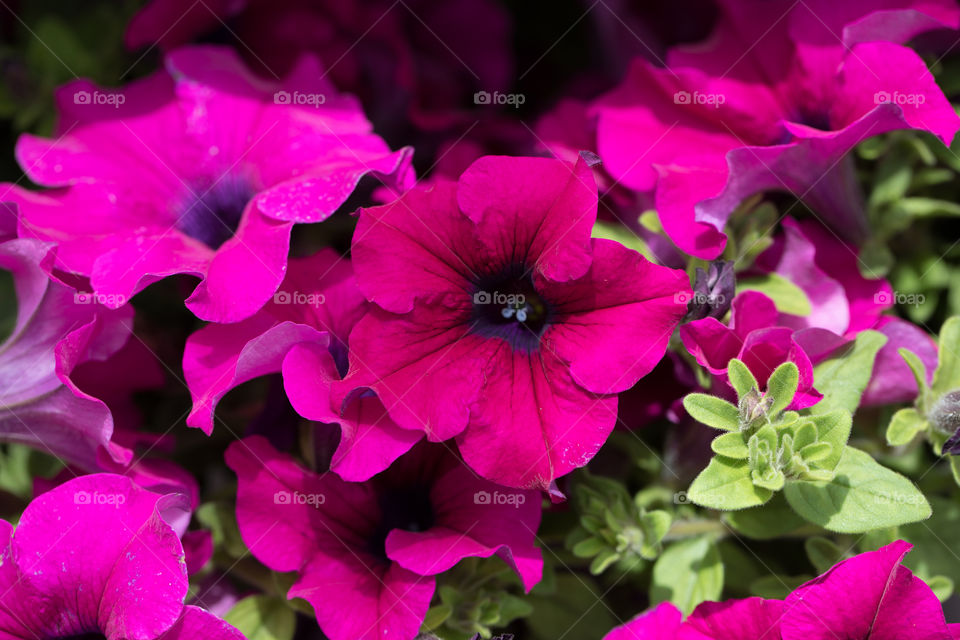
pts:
pixel 689 528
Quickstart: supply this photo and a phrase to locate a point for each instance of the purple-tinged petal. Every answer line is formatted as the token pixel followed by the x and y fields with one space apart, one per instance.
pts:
pixel 99 551
pixel 369 439
pixel 219 357
pixel 892 380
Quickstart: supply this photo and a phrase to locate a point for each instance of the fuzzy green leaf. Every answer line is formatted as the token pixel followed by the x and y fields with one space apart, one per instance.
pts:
pixel 771 520
pixel 823 553
pixel 712 411
pixel 947 376
pixel 834 429
pixel 782 386
pixel 741 377
pixel 904 426
pixel 688 573
pixel 916 365
pixel 263 618
pixel 842 378
pixel 862 496
pixel 788 297
pixel 726 485
pixel 730 445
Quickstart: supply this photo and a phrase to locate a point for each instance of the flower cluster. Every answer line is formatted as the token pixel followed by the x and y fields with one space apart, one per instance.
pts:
pixel 329 320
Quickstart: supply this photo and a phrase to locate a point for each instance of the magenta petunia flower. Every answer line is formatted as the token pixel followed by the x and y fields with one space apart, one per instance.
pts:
pixel 660 623
pixel 302 333
pixel 754 618
pixel 724 121
pixel 201 169
pixel 366 553
pixel 871 595
pixel 499 321
pixel 57 330
pixel 754 336
pixel 94 558
pixel 843 303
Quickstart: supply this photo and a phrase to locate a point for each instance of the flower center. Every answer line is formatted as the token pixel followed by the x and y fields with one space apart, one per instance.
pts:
pixel 212 214
pixel 407 508
pixel 93 635
pixel 510 309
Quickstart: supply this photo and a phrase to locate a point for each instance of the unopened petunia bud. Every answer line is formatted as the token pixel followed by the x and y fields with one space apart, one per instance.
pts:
pixel 713 291
pixel 945 417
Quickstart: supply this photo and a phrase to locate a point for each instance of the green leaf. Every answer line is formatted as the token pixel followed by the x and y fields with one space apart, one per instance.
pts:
pixel 875 258
pixel 730 445
pixel 263 618
pixel 834 429
pixel 569 611
pixel 782 386
pixel 942 587
pixel 712 411
pixel 842 378
pixel 726 485
pixel 955 468
pixel 934 541
pixel 916 365
pixel 863 495
pixel 947 376
pixel 623 235
pixel 741 377
pixel 436 616
pixel 655 526
pixel 220 518
pixel 904 426
pixel 651 222
pixel 927 207
pixel 603 560
pixel 893 176
pixel 788 297
pixel 776 587
pixel 688 573
pixel 823 553
pixel 588 548
pixel 771 520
